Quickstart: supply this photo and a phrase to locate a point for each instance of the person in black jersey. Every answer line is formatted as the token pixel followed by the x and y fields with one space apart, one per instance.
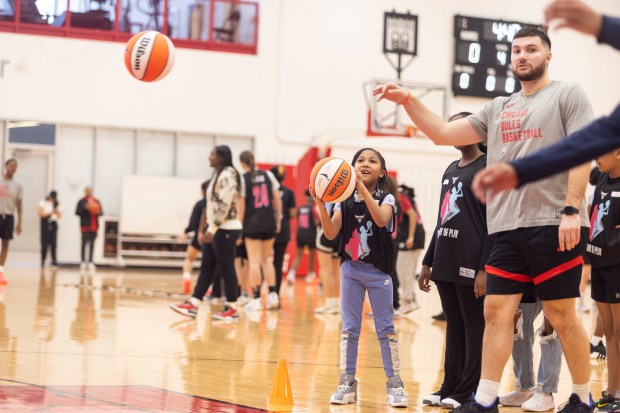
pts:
pixel 289 211
pixel 457 254
pixel 306 239
pixel 365 222
pixel 261 223
pixel 193 248
pixel 604 252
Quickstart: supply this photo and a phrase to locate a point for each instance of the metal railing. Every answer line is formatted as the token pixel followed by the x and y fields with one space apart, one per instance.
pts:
pixel 221 25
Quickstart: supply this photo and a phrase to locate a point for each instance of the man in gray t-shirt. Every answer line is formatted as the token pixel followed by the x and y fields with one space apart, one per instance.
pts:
pixel 540 229
pixel 10 201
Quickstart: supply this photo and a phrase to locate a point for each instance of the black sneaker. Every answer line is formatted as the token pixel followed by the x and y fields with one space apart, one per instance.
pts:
pixel 575 405
pixel 439 317
pixel 607 403
pixel 474 407
pixel 599 351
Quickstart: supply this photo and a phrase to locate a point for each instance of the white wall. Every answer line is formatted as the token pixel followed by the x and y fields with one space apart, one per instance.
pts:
pixel 306 79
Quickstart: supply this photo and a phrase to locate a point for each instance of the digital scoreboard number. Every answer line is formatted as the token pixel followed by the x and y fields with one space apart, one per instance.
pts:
pixel 482 57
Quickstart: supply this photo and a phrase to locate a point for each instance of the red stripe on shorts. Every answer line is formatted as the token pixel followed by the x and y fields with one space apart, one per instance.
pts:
pixel 509 275
pixel 558 270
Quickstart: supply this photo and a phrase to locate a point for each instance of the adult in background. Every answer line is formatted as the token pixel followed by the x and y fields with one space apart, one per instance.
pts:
pixel 11 194
pixel 89 210
pixel 49 212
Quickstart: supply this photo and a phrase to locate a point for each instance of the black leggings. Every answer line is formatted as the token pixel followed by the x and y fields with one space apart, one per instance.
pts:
pixel 464 331
pixel 49 231
pixel 219 257
pixel 279 248
pixel 88 238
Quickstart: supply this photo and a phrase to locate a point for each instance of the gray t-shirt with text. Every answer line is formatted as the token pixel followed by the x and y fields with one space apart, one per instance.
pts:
pixel 514 127
pixel 10 192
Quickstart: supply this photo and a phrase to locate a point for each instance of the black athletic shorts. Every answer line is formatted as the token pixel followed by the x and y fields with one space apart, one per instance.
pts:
pixel 606 284
pixel 528 261
pixel 7 226
pixel 194 243
pixel 261 235
pixel 242 252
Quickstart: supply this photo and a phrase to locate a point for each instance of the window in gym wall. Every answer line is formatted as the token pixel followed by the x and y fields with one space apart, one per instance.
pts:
pixel 223 25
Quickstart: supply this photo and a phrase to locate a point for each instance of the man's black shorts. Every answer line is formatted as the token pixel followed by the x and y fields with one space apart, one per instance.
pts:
pixel 606 284
pixel 7 226
pixel 528 260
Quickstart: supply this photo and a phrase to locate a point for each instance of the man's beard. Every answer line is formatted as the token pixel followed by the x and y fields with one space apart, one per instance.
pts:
pixel 535 74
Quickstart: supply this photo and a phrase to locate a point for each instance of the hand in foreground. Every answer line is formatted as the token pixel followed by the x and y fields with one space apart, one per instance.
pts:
pixel 494 179
pixel 316 199
pixel 576 15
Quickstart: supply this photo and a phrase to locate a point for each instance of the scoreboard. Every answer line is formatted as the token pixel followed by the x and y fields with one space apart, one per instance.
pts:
pixel 482 52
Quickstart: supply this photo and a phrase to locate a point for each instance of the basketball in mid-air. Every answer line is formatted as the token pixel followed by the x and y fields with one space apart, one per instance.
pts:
pixel 333 180
pixel 149 56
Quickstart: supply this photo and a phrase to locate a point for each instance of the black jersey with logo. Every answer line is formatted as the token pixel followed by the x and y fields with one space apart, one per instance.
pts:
pixel 306 226
pixel 259 209
pixel 362 239
pixel 460 245
pixel 604 241
pixel 288 201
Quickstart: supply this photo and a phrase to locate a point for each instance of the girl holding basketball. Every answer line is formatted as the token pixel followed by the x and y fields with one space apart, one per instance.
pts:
pixel 371 211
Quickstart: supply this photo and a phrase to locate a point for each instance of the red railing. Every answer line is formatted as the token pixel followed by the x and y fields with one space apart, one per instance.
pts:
pixel 219 25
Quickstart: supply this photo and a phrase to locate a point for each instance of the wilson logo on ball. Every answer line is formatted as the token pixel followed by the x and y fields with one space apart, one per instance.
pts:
pixel 149 56
pixel 333 180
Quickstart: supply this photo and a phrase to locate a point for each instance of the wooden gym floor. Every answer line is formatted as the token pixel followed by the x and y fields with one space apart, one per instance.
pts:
pixel 107 341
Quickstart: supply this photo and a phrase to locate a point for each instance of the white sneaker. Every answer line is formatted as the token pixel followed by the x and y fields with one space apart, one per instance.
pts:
pixel 91 266
pixel 346 392
pixel 273 301
pixel 432 399
pixel 310 277
pixel 516 398
pixel 83 266
pixel 396 394
pixel 290 278
pixel 539 402
pixel 255 304
pixel 449 403
pixel 242 300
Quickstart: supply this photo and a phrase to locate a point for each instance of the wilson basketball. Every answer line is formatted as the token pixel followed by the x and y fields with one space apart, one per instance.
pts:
pixel 333 179
pixel 149 56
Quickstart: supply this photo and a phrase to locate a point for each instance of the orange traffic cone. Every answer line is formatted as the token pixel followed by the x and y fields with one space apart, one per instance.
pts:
pixel 281 396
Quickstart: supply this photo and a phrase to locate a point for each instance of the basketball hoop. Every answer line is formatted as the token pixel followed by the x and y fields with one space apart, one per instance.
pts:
pixel 387 118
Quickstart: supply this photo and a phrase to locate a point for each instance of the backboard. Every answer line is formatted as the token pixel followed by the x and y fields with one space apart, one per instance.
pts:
pixel 400 33
pixel 386 118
